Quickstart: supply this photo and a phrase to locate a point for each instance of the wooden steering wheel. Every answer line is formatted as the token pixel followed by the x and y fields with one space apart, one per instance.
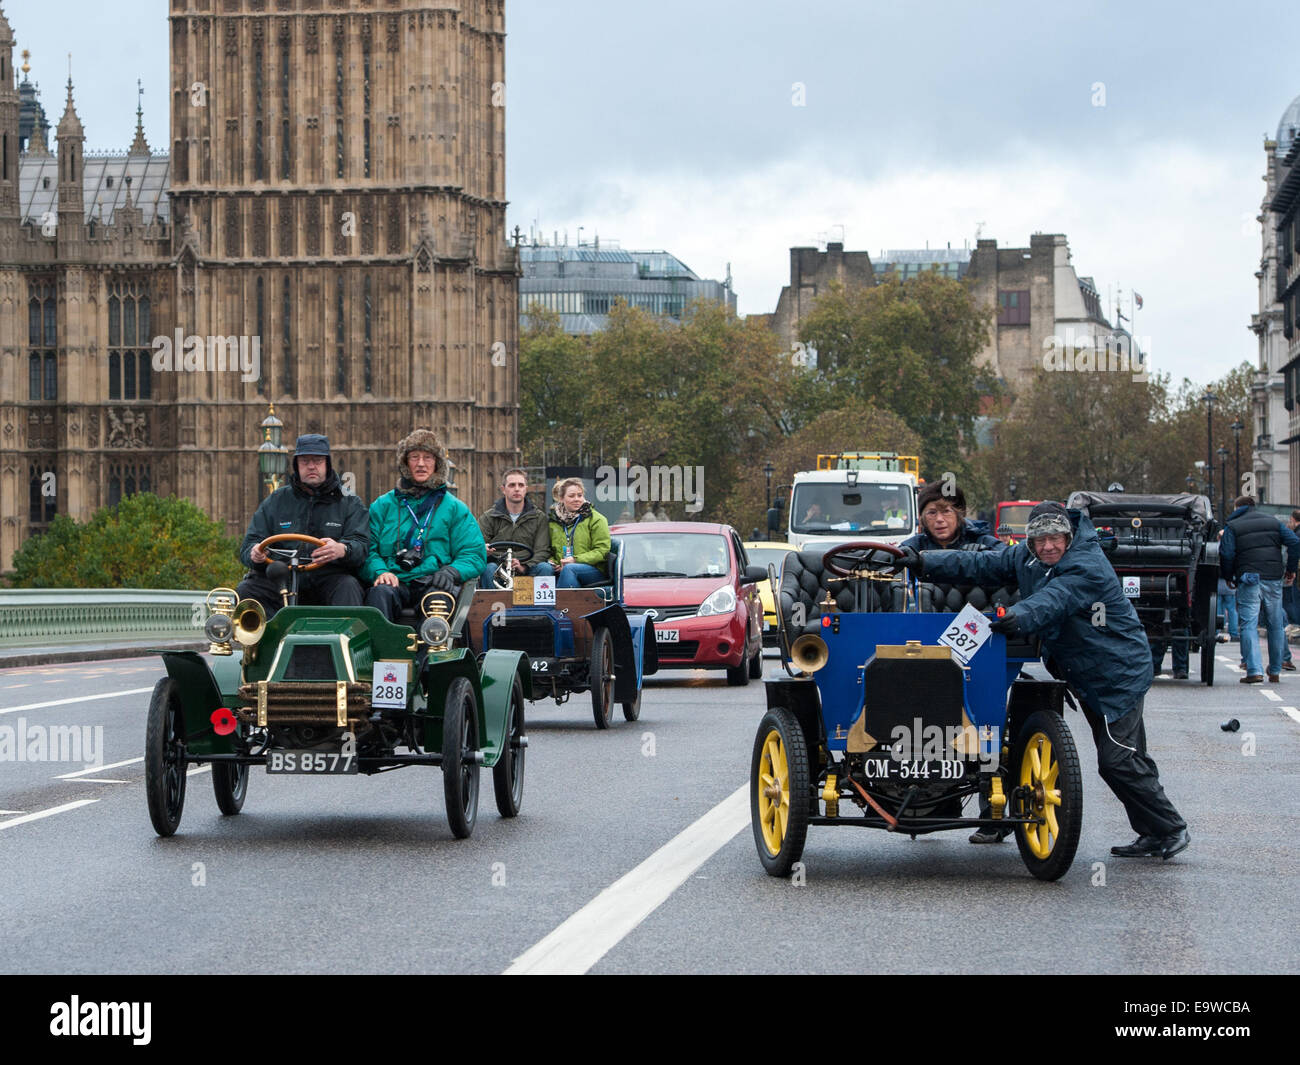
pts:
pixel 280 538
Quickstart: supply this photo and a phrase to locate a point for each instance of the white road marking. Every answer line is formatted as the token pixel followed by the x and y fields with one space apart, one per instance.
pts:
pixel 98 769
pixel 77 699
pixel 586 937
pixel 6 813
pixel 100 780
pixel 1270 695
pixel 46 813
pixel 1291 712
pixel 199 769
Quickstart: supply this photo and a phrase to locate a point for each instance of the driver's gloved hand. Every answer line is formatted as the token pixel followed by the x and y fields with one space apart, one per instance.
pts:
pixel 910 560
pixel 446 579
pixel 1008 625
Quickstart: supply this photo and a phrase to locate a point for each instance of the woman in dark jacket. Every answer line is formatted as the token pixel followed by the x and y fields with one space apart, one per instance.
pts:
pixel 944 525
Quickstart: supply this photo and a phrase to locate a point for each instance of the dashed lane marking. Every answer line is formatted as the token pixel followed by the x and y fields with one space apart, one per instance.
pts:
pixel 1291 712
pixel 77 699
pixel 39 814
pixel 98 769
pixel 1270 695
pixel 591 933
pixel 199 769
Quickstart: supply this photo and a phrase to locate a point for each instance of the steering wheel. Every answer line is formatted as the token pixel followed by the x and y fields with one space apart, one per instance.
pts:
pixel 859 553
pixel 280 538
pixel 501 545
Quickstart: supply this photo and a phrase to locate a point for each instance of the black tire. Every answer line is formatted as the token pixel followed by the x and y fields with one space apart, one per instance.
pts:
pixel 632 710
pixel 1048 853
pixel 230 783
pixel 779 817
pixel 459 770
pixel 164 758
pixel 738 676
pixel 508 773
pixel 1210 641
pixel 602 678
pixel 756 664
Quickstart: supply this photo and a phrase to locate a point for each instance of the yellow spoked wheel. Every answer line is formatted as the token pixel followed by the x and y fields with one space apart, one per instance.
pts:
pixel 1052 785
pixel 780 791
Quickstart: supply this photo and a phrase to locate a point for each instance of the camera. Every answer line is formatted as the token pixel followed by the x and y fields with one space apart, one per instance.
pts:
pixel 410 557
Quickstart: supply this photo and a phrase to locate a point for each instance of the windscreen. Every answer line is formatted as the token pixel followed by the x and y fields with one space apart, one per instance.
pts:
pixel 832 508
pixel 1017 517
pixel 674 555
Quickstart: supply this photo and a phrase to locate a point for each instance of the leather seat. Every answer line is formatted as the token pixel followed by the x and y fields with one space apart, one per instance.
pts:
pixel 805 582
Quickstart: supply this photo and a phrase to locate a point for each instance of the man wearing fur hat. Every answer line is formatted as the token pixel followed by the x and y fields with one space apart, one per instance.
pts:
pixel 422 538
pixel 1064 578
pixel 313 502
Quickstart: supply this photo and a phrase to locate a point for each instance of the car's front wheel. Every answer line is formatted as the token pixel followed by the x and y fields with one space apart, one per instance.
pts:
pixel 1046 765
pixel 459 767
pixel 508 773
pixel 230 783
pixel 780 791
pixel 164 758
pixel 602 678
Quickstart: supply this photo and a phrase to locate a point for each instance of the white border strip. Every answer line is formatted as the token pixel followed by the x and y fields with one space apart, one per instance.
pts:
pixel 78 699
pixel 45 813
pixel 98 769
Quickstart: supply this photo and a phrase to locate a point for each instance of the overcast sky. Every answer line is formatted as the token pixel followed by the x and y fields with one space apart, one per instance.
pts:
pixel 730 131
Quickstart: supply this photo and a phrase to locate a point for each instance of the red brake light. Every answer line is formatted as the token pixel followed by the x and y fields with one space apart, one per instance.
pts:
pixel 1001 611
pixel 826 621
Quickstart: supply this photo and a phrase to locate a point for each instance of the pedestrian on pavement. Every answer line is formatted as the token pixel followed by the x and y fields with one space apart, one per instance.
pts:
pixel 1250 558
pixel 1064 578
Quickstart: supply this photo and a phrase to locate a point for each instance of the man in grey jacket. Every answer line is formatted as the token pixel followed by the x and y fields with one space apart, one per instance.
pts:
pixel 1101 653
pixel 512 517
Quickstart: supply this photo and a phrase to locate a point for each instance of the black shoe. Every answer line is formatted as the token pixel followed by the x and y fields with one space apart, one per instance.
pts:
pixel 1180 674
pixel 1171 845
pixel 1142 847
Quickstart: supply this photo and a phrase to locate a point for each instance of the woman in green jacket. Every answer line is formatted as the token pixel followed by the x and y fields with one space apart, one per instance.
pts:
pixel 579 537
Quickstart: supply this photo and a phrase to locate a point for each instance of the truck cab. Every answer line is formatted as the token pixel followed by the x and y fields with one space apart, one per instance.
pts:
pixel 836 506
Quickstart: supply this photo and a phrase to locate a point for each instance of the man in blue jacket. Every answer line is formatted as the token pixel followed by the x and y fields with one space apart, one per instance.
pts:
pixel 1250 559
pixel 1101 653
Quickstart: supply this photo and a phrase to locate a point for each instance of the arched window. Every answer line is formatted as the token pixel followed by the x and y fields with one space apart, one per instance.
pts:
pixel 42 340
pixel 130 343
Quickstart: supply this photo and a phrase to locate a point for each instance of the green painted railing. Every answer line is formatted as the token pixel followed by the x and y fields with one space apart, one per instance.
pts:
pixel 35 617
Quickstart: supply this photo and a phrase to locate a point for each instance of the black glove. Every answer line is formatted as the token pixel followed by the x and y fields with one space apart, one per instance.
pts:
pixel 1007 624
pixel 910 560
pixel 446 579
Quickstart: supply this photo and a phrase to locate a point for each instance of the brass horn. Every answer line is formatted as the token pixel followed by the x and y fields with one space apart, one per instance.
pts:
pixel 250 622
pixel 809 652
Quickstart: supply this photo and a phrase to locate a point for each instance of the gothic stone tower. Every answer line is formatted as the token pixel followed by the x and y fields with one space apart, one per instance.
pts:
pixel 338 194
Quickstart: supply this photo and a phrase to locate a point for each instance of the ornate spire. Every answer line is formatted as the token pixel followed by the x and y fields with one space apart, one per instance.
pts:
pixel 37 145
pixel 70 124
pixel 139 146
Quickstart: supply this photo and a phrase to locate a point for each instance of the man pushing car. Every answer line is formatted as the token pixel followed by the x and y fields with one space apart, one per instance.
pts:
pixel 1072 600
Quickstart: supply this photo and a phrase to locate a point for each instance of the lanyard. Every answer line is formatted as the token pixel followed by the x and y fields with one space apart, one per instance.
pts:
pixel 419 526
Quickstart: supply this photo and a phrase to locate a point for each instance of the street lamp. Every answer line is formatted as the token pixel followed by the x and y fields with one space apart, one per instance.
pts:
pixel 1223 478
pixel 272 456
pixel 1237 427
pixel 1208 399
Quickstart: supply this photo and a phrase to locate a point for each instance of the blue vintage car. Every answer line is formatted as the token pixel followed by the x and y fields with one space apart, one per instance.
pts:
pixel 897 711
pixel 576 639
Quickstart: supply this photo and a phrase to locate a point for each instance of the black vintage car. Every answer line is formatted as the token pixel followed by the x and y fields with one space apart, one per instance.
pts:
pixel 1165 551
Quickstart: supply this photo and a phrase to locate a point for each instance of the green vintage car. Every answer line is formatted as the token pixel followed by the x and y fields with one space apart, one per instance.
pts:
pixel 325 691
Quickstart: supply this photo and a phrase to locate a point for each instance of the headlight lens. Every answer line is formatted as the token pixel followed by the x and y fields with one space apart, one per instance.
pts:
pixel 435 631
pixel 218 628
pixel 723 601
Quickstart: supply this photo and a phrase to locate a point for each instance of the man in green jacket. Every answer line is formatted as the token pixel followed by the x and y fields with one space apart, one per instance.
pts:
pixel 513 517
pixel 422 538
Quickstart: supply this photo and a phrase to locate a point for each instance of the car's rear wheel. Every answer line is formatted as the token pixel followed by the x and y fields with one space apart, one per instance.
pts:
pixel 459 767
pixel 602 678
pixel 230 783
pixel 780 795
pixel 738 676
pixel 1046 763
pixel 508 773
pixel 756 663
pixel 164 758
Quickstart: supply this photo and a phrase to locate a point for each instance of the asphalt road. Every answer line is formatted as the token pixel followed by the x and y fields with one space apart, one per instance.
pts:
pixel 362 875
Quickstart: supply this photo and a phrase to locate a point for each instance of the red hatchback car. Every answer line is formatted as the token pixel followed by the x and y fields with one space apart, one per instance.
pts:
pixel 695 580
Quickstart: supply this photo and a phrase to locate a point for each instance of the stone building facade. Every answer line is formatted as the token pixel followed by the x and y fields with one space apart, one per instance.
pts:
pixel 330 238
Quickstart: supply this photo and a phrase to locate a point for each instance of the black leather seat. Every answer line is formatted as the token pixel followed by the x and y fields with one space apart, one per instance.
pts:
pixel 951 598
pixel 805 582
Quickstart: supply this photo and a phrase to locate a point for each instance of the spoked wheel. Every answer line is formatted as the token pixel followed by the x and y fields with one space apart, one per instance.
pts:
pixel 632 710
pixel 602 678
pixel 164 758
pixel 459 769
pixel 1048 765
pixel 230 783
pixel 780 791
pixel 508 773
pixel 1209 641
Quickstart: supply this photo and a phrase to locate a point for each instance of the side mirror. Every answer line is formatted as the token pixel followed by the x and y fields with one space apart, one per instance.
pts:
pixel 754 574
pixel 773 519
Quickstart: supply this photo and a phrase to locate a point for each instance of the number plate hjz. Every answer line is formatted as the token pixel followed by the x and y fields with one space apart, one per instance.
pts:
pixel 908 769
pixel 666 636
pixel 314 763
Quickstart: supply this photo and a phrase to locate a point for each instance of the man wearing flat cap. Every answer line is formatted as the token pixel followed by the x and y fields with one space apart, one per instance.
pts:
pixel 313 502
pixel 422 537
pixel 1063 577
